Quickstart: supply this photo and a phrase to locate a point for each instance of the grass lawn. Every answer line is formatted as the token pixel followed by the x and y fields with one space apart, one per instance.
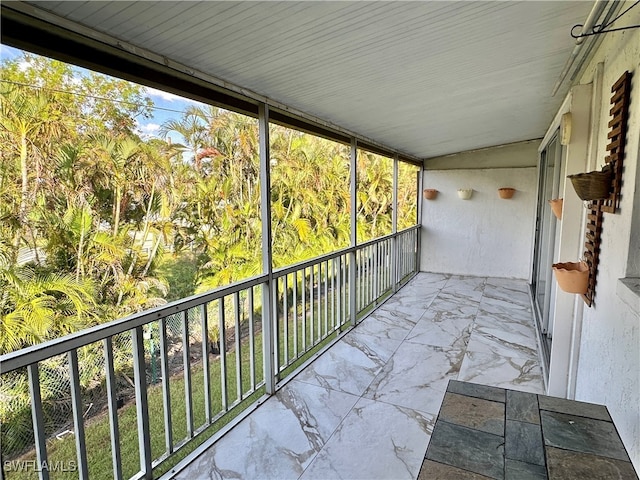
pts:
pixel 97 433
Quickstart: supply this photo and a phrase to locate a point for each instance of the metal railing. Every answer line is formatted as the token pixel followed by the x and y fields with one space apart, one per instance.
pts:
pixel 189 366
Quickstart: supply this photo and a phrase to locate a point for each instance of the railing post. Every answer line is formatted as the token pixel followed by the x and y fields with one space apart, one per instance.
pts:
pixel 110 375
pixel 394 227
pixel 353 288
pixel 204 322
pixel 420 201
pixel 186 365
pixel 39 434
pixel 78 421
pixel 142 405
pixel 268 288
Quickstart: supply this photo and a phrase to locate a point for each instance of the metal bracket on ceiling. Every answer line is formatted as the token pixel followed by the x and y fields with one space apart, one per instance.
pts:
pixel 600 29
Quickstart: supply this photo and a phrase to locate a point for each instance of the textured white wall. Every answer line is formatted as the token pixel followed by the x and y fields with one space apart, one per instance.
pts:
pixel 486 235
pixel 608 370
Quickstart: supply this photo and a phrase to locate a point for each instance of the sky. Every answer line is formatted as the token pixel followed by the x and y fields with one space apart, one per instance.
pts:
pixel 167 104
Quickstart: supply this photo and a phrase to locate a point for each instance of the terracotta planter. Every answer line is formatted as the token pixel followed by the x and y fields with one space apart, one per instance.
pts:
pixel 506 192
pixel 572 277
pixel 556 207
pixel 465 193
pixel 430 193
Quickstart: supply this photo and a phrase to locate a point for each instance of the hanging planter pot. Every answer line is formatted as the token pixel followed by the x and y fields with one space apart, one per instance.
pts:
pixel 572 277
pixel 465 193
pixel 556 207
pixel 593 185
pixel 506 192
pixel 430 193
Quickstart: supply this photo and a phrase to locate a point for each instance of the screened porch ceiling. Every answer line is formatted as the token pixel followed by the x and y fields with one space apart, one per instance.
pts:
pixel 422 78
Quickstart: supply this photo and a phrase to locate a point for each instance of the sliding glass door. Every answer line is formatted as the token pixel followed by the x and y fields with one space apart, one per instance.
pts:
pixel 548 187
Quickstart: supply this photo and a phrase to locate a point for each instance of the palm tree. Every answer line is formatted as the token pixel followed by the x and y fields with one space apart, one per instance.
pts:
pixel 36 306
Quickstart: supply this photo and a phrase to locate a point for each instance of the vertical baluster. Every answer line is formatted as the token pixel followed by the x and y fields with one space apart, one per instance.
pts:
pixel 334 300
pixel 166 391
pixel 388 260
pixel 319 298
pixel 353 288
pixel 370 270
pixel 339 302
pixel 142 404
pixel 383 266
pixel 388 263
pixel 406 255
pixel 238 341
pixel 252 341
pixel 362 280
pixel 222 338
pixel 369 277
pixel 304 309
pixel 295 314
pixel 376 272
pixel 39 434
pixel 400 257
pixel 326 298
pixel 112 401
pixel 204 326
pixel 285 316
pixel 78 410
pixel 416 237
pixel 276 326
pixel 312 305
pixel 186 363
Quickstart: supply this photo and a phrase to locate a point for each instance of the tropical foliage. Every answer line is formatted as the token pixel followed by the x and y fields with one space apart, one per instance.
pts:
pixel 98 221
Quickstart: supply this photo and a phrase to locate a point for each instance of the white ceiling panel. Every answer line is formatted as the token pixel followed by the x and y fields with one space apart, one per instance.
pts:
pixel 425 78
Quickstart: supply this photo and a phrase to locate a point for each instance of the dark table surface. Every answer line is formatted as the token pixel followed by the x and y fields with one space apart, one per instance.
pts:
pixel 488 432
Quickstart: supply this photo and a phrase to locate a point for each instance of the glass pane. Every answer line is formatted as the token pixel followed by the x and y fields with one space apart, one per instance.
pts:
pixel 375 195
pixel 310 195
pixel 407 195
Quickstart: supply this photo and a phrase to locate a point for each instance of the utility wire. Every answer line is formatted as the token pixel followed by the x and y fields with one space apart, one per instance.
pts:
pixel 600 29
pixel 96 97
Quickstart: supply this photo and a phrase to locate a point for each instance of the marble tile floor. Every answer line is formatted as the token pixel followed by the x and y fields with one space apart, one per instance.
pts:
pixel 365 409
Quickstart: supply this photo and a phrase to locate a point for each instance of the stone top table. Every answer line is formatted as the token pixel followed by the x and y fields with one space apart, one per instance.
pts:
pixel 487 432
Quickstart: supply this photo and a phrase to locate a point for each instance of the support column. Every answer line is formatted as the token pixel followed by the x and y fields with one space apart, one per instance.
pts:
pixel 394 227
pixel 353 291
pixel 268 287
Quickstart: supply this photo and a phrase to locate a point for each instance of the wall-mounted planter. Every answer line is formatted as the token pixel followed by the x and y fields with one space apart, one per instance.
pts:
pixel 593 185
pixel 572 277
pixel 430 193
pixel 556 207
pixel 506 192
pixel 465 193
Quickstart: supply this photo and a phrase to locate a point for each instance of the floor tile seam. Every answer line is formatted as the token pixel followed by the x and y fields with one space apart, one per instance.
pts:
pixel 534 358
pixel 469 428
pixel 459 468
pixel 576 414
pixel 476 333
pixel 338 426
pixel 424 412
pixel 545 445
pixel 488 337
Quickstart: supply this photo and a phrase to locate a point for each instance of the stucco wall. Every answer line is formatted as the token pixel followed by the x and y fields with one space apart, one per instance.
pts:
pixel 486 235
pixel 608 369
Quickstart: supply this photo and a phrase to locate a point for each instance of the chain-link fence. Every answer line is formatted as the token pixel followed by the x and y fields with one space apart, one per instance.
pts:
pixel 16 427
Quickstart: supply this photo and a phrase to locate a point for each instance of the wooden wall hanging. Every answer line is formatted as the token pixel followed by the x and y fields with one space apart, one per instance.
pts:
pixel 617 138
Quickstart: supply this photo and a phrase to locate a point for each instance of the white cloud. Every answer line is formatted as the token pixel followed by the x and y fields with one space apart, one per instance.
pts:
pixel 169 97
pixel 149 128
